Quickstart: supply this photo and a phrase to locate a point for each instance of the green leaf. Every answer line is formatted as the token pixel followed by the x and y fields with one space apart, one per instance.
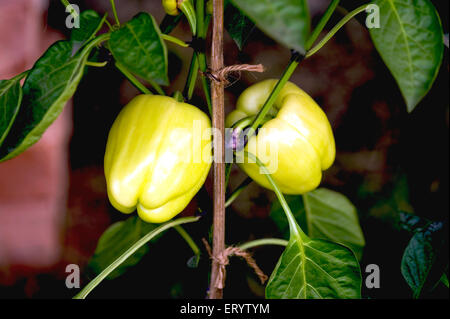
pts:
pixel 324 214
pixel 410 41
pixel 315 269
pixel 10 99
pixel 425 259
pixel 237 24
pixel 50 84
pixel 115 241
pixel 138 46
pixel 286 21
pixel 90 24
pixel 444 280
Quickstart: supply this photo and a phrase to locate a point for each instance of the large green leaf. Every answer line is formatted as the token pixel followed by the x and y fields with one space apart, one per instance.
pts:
pixel 115 241
pixel 90 23
pixel 138 47
pixel 410 41
pixel 286 21
pixel 239 27
pixel 50 84
pixel 324 214
pixel 315 269
pixel 10 98
pixel 425 259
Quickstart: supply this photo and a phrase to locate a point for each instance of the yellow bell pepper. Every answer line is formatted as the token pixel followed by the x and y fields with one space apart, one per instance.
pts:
pixel 155 161
pixel 171 7
pixel 299 133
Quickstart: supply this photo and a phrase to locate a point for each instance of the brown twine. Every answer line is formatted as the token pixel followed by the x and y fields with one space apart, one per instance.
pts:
pixel 223 261
pixel 222 75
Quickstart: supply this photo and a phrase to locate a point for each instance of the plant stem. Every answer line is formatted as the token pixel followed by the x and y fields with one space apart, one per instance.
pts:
pixel 219 148
pixel 205 83
pixel 333 31
pixel 175 40
pixel 113 5
pixel 290 216
pixel 192 77
pixel 263 242
pixel 72 11
pixel 133 79
pixel 295 61
pixel 203 25
pixel 156 86
pixel 188 239
pixel 130 251
pixel 238 192
pixel 96 64
pixel 188 10
pixel 322 23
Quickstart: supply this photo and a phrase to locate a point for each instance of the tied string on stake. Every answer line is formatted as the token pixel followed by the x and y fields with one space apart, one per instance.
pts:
pixel 221 76
pixel 223 261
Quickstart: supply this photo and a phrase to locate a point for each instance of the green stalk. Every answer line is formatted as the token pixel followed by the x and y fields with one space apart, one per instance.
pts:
pixel 116 17
pixel 192 77
pixel 290 216
pixel 72 11
pixel 188 9
pixel 238 192
pixel 96 64
pixel 263 242
pixel 129 252
pixel 203 25
pixel 188 239
pixel 322 23
pixel 295 61
pixel 133 79
pixel 175 40
pixel 333 31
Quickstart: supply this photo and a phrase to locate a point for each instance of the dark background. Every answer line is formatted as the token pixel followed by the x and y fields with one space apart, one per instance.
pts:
pixel 387 161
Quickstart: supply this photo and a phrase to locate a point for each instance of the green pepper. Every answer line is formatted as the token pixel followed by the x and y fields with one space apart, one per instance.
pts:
pixel 155 161
pixel 299 133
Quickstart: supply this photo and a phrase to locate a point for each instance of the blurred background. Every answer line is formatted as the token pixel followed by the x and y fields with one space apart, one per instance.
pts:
pixel 53 202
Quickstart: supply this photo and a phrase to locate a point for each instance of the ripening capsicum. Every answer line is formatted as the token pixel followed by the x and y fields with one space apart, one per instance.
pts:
pixel 152 160
pixel 299 132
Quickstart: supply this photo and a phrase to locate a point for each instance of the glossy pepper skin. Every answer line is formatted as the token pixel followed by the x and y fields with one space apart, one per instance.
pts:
pixel 152 160
pixel 301 131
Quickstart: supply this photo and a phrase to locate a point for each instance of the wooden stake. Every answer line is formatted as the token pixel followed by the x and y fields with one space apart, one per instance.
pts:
pixel 217 92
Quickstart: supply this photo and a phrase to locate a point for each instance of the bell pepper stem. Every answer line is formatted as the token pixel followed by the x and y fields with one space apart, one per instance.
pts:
pixel 133 79
pixel 322 23
pixel 116 17
pixel 238 192
pixel 96 64
pixel 67 4
pixel 130 251
pixel 333 31
pixel 192 77
pixel 188 9
pixel 295 61
pixel 293 226
pixel 263 242
pixel 188 239
pixel 169 23
pixel 174 40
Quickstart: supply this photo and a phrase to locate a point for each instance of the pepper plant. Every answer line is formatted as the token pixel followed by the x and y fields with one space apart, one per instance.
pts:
pixel 142 161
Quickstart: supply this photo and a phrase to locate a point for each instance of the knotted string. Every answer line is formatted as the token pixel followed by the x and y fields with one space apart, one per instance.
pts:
pixel 223 260
pixel 221 75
